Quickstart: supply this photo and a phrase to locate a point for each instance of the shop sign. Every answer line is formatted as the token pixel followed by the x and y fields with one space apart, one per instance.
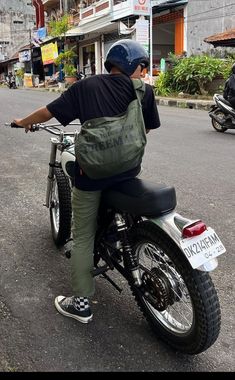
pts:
pixel 28 80
pixel 49 53
pixel 141 7
pixel 142 33
pixel 24 56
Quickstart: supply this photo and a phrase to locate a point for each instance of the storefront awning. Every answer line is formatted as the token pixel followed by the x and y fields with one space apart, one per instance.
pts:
pixel 225 39
pixel 74 32
pixel 160 6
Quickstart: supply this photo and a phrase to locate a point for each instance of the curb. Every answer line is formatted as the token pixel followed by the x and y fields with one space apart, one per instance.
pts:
pixel 185 103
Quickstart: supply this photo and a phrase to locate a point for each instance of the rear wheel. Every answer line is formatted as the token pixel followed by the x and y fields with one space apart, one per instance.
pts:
pixel 180 303
pixel 60 208
pixel 216 125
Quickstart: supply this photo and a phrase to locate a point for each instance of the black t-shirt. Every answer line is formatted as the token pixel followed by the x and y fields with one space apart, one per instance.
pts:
pixel 99 96
pixel 231 87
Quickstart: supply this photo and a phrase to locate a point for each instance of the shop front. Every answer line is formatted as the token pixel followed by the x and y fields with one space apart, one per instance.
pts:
pixel 49 53
pixel 89 57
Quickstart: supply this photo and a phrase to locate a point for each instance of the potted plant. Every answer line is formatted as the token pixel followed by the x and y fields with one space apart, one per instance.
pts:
pixel 66 58
pixel 59 28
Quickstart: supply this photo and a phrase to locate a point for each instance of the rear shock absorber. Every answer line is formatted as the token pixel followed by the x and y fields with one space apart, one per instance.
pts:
pixel 130 259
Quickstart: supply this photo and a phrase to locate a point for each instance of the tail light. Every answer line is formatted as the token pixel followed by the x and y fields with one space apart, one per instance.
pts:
pixel 194 229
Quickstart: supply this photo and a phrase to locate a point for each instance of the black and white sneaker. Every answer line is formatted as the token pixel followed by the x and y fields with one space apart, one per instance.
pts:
pixel 74 307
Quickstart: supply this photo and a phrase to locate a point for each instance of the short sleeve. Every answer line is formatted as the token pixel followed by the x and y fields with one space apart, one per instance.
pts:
pixel 150 111
pixel 65 108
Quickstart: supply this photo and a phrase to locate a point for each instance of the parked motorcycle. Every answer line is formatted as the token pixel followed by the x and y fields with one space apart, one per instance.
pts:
pixel 222 114
pixel 11 82
pixel 164 257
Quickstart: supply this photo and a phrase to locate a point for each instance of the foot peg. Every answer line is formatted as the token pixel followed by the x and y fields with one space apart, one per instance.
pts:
pixel 68 254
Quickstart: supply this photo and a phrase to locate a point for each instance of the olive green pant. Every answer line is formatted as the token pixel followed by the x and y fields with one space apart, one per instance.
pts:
pixel 85 205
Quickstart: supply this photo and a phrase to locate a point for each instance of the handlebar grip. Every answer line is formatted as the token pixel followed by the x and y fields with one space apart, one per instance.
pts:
pixel 14 125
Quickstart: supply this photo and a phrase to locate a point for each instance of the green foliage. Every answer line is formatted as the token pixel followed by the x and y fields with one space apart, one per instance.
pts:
pixel 20 73
pixel 66 58
pixel 163 84
pixel 192 75
pixel 58 28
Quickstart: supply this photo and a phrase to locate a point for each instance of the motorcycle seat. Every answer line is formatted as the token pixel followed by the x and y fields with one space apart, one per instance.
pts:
pixel 140 198
pixel 220 97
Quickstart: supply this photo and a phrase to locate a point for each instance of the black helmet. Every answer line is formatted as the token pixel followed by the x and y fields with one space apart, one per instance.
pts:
pixel 126 55
pixel 233 68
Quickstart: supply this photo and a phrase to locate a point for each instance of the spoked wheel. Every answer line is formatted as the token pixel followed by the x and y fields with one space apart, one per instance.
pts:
pixel 60 208
pixel 180 303
pixel 217 126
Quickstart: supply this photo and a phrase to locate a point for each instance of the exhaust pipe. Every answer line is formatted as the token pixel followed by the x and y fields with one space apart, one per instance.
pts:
pixel 218 120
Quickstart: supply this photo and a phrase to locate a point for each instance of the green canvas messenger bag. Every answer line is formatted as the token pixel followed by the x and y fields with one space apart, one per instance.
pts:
pixel 108 146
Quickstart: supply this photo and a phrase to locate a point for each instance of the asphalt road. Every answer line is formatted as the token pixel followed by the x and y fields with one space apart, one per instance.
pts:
pixel 185 152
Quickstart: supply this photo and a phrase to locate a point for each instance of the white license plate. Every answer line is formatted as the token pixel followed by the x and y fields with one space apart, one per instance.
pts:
pixel 202 248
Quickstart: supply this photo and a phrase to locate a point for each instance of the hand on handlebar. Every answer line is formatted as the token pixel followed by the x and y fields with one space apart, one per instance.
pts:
pixel 27 127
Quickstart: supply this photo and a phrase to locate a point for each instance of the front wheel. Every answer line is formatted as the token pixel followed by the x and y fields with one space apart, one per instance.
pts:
pixel 180 303
pixel 60 208
pixel 216 125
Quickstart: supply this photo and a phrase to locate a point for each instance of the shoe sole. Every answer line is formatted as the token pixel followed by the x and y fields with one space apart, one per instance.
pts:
pixel 80 319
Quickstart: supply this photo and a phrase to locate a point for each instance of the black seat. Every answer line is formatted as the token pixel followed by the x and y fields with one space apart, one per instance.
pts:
pixel 139 197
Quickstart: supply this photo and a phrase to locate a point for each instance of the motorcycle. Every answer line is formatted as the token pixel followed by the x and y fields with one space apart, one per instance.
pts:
pixel 222 114
pixel 164 257
pixel 11 83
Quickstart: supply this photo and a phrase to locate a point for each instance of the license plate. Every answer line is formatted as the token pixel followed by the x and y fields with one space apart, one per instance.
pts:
pixel 202 248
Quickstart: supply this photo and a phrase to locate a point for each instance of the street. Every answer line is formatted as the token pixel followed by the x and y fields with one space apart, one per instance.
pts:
pixel 185 152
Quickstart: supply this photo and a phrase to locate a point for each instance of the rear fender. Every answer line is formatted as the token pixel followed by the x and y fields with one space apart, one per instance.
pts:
pixel 172 224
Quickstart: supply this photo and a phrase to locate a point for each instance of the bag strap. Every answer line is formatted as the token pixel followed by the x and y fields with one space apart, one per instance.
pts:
pixel 139 87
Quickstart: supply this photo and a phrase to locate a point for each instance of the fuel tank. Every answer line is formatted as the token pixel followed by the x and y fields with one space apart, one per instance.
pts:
pixel 68 161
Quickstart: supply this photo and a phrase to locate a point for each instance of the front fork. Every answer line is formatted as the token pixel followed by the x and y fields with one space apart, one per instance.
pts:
pixel 51 170
pixel 129 257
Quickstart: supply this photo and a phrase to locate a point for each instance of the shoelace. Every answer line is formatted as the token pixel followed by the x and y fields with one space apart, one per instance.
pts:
pixel 68 301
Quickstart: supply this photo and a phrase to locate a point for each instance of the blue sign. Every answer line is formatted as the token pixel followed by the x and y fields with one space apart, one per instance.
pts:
pixel 41 33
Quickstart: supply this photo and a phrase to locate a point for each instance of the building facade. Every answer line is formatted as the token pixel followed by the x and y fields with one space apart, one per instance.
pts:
pixel 176 26
pixel 17 19
pixel 161 26
pixel 205 18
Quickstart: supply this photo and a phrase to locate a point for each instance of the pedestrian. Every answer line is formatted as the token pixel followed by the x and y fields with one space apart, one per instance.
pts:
pixel 103 95
pixel 229 88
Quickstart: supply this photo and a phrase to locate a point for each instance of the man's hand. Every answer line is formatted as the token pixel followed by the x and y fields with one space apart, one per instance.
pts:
pixel 21 124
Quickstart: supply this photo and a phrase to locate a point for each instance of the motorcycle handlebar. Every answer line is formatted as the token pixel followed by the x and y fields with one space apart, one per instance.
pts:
pixel 14 125
pixel 51 128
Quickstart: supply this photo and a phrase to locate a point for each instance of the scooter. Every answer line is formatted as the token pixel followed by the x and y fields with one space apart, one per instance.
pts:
pixel 164 257
pixel 222 114
pixel 11 83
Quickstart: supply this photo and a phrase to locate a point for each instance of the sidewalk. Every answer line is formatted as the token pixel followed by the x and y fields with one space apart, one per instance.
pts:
pixel 163 101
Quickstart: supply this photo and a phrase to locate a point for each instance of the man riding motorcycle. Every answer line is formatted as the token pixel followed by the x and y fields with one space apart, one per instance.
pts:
pixel 99 96
pixel 229 88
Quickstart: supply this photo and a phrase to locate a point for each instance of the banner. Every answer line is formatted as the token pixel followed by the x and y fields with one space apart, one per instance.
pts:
pixel 28 80
pixel 49 53
pixel 142 33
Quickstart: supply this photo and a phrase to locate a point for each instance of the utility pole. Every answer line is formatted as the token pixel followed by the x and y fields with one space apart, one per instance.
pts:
pixel 151 42
pixel 31 53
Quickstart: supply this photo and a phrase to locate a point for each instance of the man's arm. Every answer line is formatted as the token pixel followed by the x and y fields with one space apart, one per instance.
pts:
pixel 41 115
